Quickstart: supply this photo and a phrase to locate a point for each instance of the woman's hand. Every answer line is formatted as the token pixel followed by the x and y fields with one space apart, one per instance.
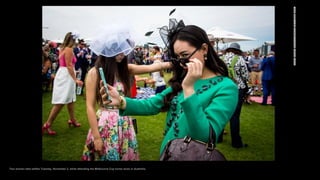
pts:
pixel 79 82
pixel 112 93
pixel 195 68
pixel 98 145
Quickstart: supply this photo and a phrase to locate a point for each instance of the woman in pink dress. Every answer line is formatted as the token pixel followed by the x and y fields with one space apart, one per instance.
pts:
pixel 111 137
pixel 64 85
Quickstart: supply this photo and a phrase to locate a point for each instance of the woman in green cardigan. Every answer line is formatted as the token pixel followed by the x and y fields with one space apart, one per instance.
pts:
pixel 200 92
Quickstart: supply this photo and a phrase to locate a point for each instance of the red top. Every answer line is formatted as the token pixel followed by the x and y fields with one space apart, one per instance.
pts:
pixel 134 88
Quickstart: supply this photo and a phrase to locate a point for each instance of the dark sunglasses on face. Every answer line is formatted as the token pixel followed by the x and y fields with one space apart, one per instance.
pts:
pixel 183 60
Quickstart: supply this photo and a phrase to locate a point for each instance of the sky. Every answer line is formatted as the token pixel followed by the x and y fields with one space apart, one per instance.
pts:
pixel 257 22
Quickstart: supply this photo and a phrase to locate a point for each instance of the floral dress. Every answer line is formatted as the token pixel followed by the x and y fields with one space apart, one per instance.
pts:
pixel 117 133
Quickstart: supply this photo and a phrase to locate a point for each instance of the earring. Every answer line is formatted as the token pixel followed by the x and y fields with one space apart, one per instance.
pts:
pixel 205 57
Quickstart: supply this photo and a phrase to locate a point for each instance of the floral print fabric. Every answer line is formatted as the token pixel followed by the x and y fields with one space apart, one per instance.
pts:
pixel 118 136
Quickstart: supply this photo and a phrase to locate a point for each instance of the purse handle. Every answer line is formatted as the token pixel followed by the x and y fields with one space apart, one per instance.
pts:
pixel 211 142
pixel 212 137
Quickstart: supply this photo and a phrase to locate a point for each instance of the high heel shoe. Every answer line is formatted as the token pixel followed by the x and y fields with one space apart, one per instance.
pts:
pixel 47 128
pixel 73 122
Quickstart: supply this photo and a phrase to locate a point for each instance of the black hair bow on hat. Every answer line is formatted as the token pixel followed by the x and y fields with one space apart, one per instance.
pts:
pixel 167 33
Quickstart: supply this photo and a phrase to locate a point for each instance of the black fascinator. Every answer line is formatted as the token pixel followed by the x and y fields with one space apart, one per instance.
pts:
pixel 167 33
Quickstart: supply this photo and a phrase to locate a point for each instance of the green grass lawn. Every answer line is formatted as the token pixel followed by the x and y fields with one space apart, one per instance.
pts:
pixel 257 130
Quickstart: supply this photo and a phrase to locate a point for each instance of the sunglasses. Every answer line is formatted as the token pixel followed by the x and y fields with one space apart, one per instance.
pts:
pixel 183 60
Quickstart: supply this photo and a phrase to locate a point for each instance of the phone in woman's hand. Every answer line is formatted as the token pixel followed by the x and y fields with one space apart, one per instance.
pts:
pixel 104 83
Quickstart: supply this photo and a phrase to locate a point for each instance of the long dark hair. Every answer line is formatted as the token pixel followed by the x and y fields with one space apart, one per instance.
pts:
pixel 113 70
pixel 195 36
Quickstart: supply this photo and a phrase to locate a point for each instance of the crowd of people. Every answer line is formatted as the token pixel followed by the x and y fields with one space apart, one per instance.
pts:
pixel 205 88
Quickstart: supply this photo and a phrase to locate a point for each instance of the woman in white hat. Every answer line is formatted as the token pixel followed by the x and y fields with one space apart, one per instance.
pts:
pixel 112 137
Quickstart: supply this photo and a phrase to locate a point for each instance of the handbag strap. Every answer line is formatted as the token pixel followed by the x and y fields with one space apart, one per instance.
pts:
pixel 212 137
pixel 211 142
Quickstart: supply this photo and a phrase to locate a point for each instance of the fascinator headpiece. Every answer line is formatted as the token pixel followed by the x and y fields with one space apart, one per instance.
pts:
pixel 112 41
pixel 167 32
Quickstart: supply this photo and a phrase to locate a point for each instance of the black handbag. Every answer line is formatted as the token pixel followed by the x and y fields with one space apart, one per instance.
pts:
pixel 188 149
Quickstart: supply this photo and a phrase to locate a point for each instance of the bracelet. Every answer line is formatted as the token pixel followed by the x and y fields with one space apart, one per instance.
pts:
pixel 121 102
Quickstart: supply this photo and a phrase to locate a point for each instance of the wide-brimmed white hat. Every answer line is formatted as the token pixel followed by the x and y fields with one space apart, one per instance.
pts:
pixel 112 40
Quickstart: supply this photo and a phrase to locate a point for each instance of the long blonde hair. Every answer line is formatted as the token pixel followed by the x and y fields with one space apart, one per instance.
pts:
pixel 69 41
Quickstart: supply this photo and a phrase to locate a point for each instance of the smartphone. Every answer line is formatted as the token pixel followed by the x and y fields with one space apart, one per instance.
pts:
pixel 104 82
